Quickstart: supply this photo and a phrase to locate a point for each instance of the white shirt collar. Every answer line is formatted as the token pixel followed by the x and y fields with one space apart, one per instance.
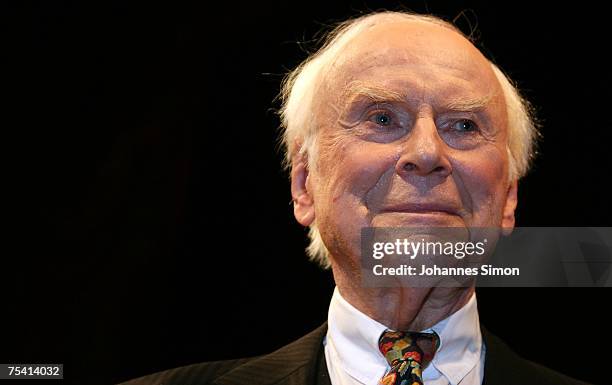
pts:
pixel 353 339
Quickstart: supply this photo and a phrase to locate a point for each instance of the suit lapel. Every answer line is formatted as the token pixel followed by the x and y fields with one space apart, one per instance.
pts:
pixel 298 363
pixel 322 376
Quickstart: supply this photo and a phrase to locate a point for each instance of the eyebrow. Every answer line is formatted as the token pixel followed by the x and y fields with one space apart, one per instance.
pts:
pixel 357 90
pixel 468 104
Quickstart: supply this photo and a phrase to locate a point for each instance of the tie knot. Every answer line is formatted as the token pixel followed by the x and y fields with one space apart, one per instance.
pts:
pixel 408 346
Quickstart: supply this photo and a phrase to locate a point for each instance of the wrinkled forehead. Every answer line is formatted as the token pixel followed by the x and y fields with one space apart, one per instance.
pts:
pixel 429 55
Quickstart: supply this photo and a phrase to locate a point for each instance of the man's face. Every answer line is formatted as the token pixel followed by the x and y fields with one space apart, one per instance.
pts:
pixel 412 132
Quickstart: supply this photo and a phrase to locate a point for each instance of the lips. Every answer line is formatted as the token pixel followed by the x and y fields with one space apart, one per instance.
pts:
pixel 423 208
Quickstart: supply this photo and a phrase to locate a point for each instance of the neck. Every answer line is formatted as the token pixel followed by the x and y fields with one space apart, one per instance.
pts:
pixel 403 308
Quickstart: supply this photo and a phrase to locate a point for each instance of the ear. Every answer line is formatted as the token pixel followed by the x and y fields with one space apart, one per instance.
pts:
pixel 303 202
pixel 509 207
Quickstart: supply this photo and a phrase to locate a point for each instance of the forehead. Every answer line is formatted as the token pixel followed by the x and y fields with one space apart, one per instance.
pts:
pixel 419 59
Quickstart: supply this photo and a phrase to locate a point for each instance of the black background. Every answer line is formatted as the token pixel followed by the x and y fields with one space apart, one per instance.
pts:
pixel 148 222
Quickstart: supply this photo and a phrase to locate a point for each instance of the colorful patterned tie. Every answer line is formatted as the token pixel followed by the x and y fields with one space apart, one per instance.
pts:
pixel 408 353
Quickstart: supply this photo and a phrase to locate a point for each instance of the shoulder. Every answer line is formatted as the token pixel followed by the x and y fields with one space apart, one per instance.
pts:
pixel 503 366
pixel 201 373
pixel 296 361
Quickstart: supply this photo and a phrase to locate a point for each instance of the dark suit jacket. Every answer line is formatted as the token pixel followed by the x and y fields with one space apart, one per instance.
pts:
pixel 303 363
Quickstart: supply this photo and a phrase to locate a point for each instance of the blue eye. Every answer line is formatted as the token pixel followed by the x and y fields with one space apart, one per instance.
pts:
pixel 382 119
pixel 464 125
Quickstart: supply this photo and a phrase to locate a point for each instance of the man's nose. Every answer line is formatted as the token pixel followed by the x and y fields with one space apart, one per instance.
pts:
pixel 424 152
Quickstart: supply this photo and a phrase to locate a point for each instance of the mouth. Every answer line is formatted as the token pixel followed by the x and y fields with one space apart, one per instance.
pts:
pixel 422 209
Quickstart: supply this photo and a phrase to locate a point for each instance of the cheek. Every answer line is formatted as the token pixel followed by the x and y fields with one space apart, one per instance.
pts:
pixel 354 167
pixel 483 175
pixel 344 178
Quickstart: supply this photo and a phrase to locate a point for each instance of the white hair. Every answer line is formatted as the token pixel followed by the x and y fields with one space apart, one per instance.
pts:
pixel 299 131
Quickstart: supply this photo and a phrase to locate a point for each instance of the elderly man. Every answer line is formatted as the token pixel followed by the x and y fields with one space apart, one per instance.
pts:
pixel 397 121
